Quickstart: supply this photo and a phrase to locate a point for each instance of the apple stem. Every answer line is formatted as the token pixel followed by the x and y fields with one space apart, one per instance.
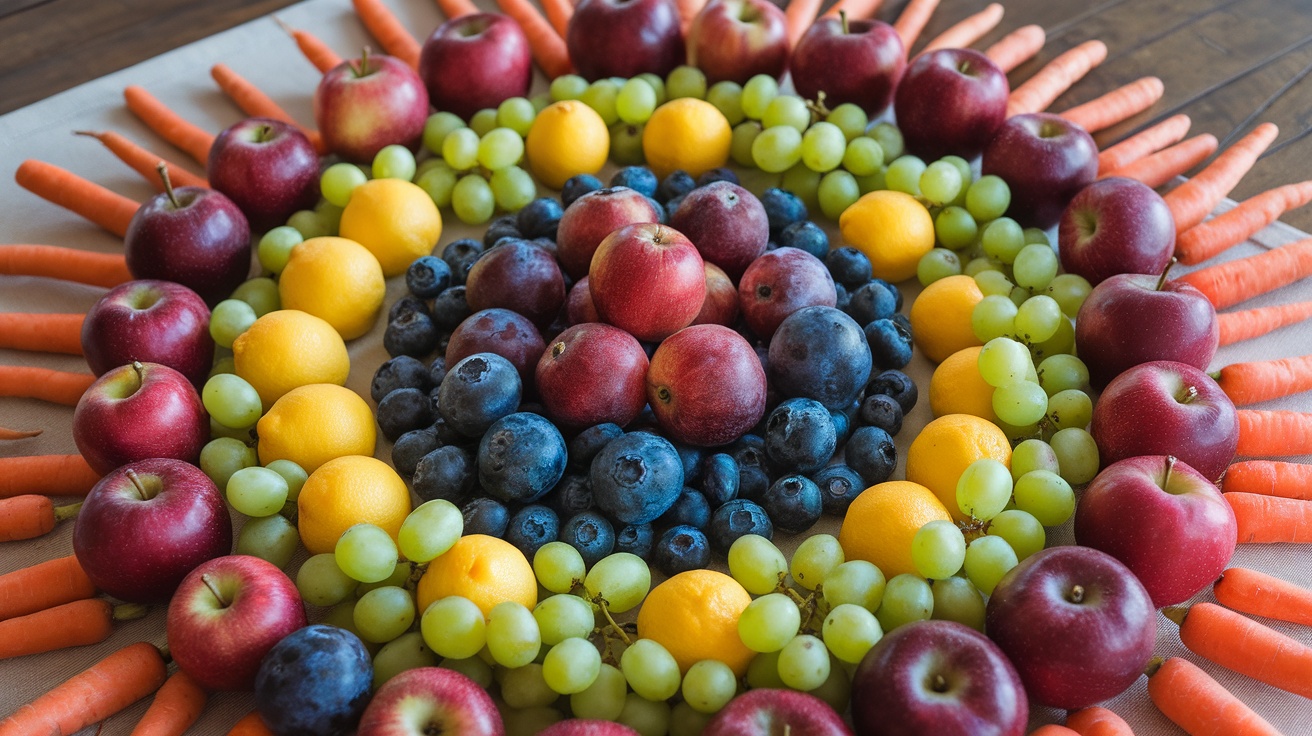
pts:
pixel 163 170
pixel 129 611
pixel 364 64
pixel 165 653
pixel 63 513
pixel 1153 665
pixel 136 483
pixel 1170 463
pixel 842 19
pixel 939 684
pixel 214 589
pixel 1176 614
pixel 1077 594
pixel 1161 281
pixel 1190 394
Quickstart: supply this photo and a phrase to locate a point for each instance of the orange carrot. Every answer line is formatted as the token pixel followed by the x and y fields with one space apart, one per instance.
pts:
pixel 456 8
pixel 69 264
pixel 1268 519
pixel 1097 721
pixel 1241 644
pixel 1040 90
pixel 46 475
pixel 17 434
pixel 75 624
pixel 558 14
pixel 107 209
pixel 855 9
pixel 547 46
pixel 1228 229
pixel 967 31
pixel 144 162
pixel 250 725
pixel 1156 169
pixel 30 516
pixel 1251 323
pixel 168 124
pixel 58 387
pixel 1229 283
pixel 915 16
pixel 1274 433
pixel 176 706
pixel 1053 729
pixel 315 51
pixel 1195 199
pixel 42 333
pixel 1259 594
pixel 391 35
pixel 1017 47
pixel 1198 704
pixel 1155 138
pixel 1263 380
pixel 798 16
pixel 252 101
pixel 43 585
pixel 93 695
pixel 1269 478
pixel 1118 105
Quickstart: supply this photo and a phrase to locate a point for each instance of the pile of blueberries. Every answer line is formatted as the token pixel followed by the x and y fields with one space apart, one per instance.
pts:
pixel 471 433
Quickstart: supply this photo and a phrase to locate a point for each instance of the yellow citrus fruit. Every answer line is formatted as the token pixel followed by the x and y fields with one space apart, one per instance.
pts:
pixel 396 220
pixel 892 229
pixel 350 490
pixel 688 134
pixel 882 520
pixel 286 349
pixel 940 316
pixel 694 615
pixel 337 280
pixel 567 138
pixel 958 388
pixel 946 446
pixel 484 569
pixel 311 425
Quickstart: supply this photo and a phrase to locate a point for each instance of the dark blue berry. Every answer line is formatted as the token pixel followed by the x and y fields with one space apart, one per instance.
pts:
pixel 782 208
pixel 872 454
pixel 449 473
pixel 819 353
pixel 738 518
pixel 882 411
pixel 437 371
pixel 890 344
pixel 588 443
pixel 676 184
pixel 531 527
pixel 315 682
pixel 839 485
pixel 793 503
pixel 680 549
pixel 539 218
pixel 753 481
pixel 503 227
pixel 871 301
pixel 638 178
pixel 403 410
pixel 898 385
pixel 402 371
pixel 842 298
pixel 800 435
pixel 410 448
pixel 636 539
pixel 849 266
pixel 691 508
pixel 691 457
pixel 478 391
pixel 636 478
pixel 903 321
pixel 571 496
pixel 427 277
pixel 450 308
pixel 807 236
pixel 486 516
pixel 672 205
pixel 897 293
pixel 842 424
pixel 662 214
pixel 407 303
pixel 719 174
pixel 591 534
pixel 577 186
pixel 460 256
pixel 411 333
pixel 521 457
pixel 719 481
pixel 749 451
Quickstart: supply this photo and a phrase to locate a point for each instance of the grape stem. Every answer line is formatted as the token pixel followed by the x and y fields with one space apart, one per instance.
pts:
pixel 610 620
pixel 817 107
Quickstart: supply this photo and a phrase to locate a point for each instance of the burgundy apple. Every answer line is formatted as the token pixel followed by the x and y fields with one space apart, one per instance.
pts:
pixel 721 304
pixel 501 331
pixel 151 322
pixel 362 105
pixel 782 282
pixel 474 62
pixel 1166 408
pixel 145 525
pixel 1045 160
pixel 267 167
pixel 590 218
pixel 765 711
pixel 430 700
pixel 857 61
pixel 1163 520
pixel 706 386
pixel 938 677
pixel 738 39
pixel 624 38
pixel 587 727
pixel 593 374
pixel 950 101
pixel 647 279
pixel 139 411
pixel 578 304
pixel 727 224
pixel 1116 225
pixel 518 276
pixel 226 615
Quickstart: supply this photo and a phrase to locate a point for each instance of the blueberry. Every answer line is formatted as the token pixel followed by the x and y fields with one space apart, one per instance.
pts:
pixel 636 478
pixel 890 343
pixel 446 435
pixel 410 448
pixel 719 481
pixel 531 527
pixel 588 443
pixel 691 457
pixel 571 496
pixel 753 482
pixel 460 256
pixel 738 518
pixel 782 208
pixel 882 411
pixel 771 245
pixel 521 457
pixel 895 291
pixel 680 549
pixel 749 451
pixel 402 371
pixel 662 214
pixel 793 503
pixel 427 277
pixel 437 371
pixel 315 682
pixel 676 184
pixel 638 178
pixel 849 266
pixel 872 454
pixel 577 186
pixel 591 534
pixel 450 308
pixel 403 410
pixel 903 321
pixel 486 516
pixel 407 303
pixel 842 425
pixel 448 472
pixel 672 205
pixel 819 353
pixel 411 333
pixel 636 539
pixel 505 226
pixel 539 218
pixel 842 298
pixel 478 391
pixel 691 509
pixel 871 301
pixel 800 435
pixel 839 485
pixel 549 246
pixel 719 174
pixel 898 385
pixel 805 235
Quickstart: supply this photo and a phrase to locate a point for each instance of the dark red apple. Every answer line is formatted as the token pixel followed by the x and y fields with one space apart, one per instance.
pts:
pixel 1045 160
pixel 501 331
pixel 706 386
pixel 587 727
pixel 151 322
pixel 727 224
pixel 593 374
pixel 738 39
pixel 475 62
pixel 518 276
pixel 145 525
pixel 267 167
pixel 1116 225
pixel 578 304
pixel 430 700
pixel 765 711
pixel 950 101
pixel 624 38
pixel 139 411
pixel 590 218
pixel 857 61
pixel 1166 408
pixel 647 279
pixel 721 304
pixel 365 104
pixel 782 282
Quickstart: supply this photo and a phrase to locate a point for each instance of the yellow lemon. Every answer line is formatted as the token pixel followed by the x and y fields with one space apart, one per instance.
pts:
pixel 940 317
pixel 957 387
pixel 313 424
pixel 337 280
pixel 946 446
pixel 347 491
pixel 396 220
pixel 567 138
pixel 688 134
pixel 882 520
pixel 694 615
pixel 484 569
pixel 892 229
pixel 286 349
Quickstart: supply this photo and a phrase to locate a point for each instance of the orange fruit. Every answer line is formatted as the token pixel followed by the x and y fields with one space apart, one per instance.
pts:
pixel 347 491
pixel 287 349
pixel 882 520
pixel 567 138
pixel 484 569
pixel 694 615
pixel 892 229
pixel 688 134
pixel 394 219
pixel 957 387
pixel 946 446
pixel 940 317
pixel 337 280
pixel 311 425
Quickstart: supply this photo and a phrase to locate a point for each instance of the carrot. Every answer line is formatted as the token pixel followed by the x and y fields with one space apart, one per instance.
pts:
pixel 69 264
pixel 560 11
pixel 1229 283
pixel 1259 594
pixel 43 585
pixel 58 387
pixel 1156 169
pixel 177 705
pixel 391 35
pixel 144 162
pixel 1017 47
pixel 250 725
pixel 1228 229
pixel 1053 729
pixel 1047 84
pixel 1195 199
pixel 547 46
pixel 315 51
pixel 75 624
pixel 1241 644
pixel 1198 704
pixel 1269 478
pixel 107 209
pixel 17 434
pixel 1118 105
pixel 1274 433
pixel 1266 519
pixel 457 8
pixel 798 16
pixel 1097 721
pixel 1263 380
pixel 168 124
pixel 42 333
pixel 913 19
pixel 1154 138
pixel 256 104
pixel 968 30
pixel 1250 323
pixel 30 516
pixel 855 9
pixel 93 695
pixel 47 475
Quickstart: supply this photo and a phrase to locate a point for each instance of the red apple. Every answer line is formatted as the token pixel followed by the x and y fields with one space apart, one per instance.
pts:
pixel 226 615
pixel 765 711
pixel 578 304
pixel 590 218
pixel 519 276
pixel 1163 520
pixel 151 322
pixel 738 39
pixel 647 279
pixel 267 167
pixel 362 105
pixel 593 374
pixel 586 727
pixel 145 525
pixel 1116 225
pixel 624 38
pixel 475 62
pixel 857 61
pixel 501 331
pixel 721 304
pixel 779 283
pixel 1166 408
pixel 706 386
pixel 727 224
pixel 1045 160
pixel 139 411
pixel 950 101
pixel 430 700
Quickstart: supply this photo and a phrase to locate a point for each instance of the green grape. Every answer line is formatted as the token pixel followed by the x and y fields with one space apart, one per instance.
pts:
pixel 993 317
pixel 529 721
pixel 1035 266
pixel 526 687
pixel 438 182
pixel 1062 342
pixel 995 283
pixel 399 577
pixel 1045 496
pixel 500 148
pixel 777 149
pixel 428 164
pixel 1070 408
pixel 622 579
pixel 792 111
pixel 472 199
pixel 430 530
pixel 1020 403
pixel 954 227
pixel 1038 319
pixel 651 670
pixel 756 563
pixel 562 617
pixel 471 667
pixel 1003 361
pixel 603 700
pixel 687 721
pixel 957 599
pixel 1036 235
pixel 727 97
pixel 322 583
pixel 261 293
pixel 907 598
pixel 513 638
pixel 512 188
pixel 572 665
pixel 406 652
pixel 803 182
pixel 1077 455
pixel 644 716
pixel 230 318
pixel 758 93
pixel 938 263
pixel 342 616
pixel 940 182
pixel 339 180
pixel 516 113
pixel 1019 295
pixel 1032 455
pixel 1002 240
pixel 709 685
pixel 294 474
pixel 657 84
pixel 222 457
pixel 392 162
pixel 857 582
pixel 889 139
pixel 740 144
pixel 850 631
pixel 873 182
pixel 904 173
pixel 383 614
pixel 976 266
pixel 256 492
pixel 454 627
pixel 1058 373
pixel 686 81
pixel 218 431
pixel 804 663
pixel 1070 290
pixel 988 198
pixel 460 149
pixel 231 401
pixel 851 119
pixel 1021 530
pixel 481 122
pixel 967 176
pixel 987 560
pixel 436 128
pixel 626 144
pixel 983 490
pixel 307 223
pixel 938 549
pixel 814 558
pixel 540 102
pixel 823 145
pixel 836 690
pixel 838 190
pixel 275 247
pixel 863 156
pixel 558 567
pixel 635 102
pixel 769 622
pixel 272 538
pixel 764 671
pixel 366 553
pixel 568 87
